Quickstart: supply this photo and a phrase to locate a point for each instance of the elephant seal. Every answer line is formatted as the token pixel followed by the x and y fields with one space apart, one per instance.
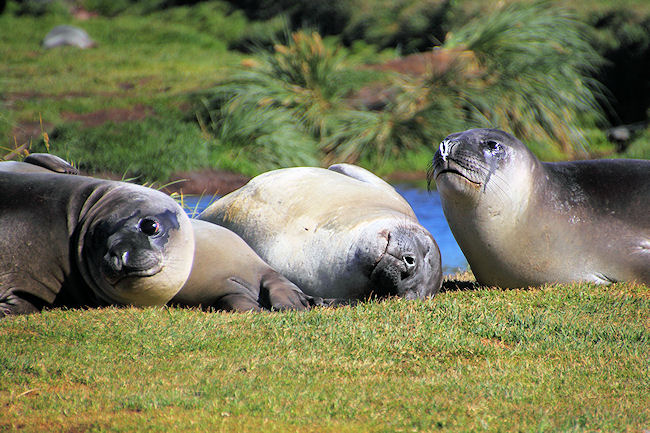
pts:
pixel 338 233
pixel 78 241
pixel 67 35
pixel 228 275
pixel 522 222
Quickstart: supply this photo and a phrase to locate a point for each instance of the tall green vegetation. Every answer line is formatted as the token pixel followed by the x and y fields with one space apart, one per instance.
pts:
pixel 286 101
pixel 533 73
pixel 524 68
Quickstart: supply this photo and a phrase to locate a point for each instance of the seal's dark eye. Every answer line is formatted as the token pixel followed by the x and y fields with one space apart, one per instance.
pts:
pixel 149 226
pixel 494 147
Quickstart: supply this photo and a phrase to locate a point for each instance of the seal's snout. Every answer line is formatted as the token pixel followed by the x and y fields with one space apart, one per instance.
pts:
pixel 446 147
pixel 124 259
pixel 410 267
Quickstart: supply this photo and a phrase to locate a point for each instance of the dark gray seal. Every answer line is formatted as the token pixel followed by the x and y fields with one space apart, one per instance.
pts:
pixel 226 273
pixel 522 222
pixel 78 241
pixel 340 233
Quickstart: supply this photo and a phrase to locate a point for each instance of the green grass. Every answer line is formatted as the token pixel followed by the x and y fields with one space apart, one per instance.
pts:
pixel 163 144
pixel 558 358
pixel 639 147
pixel 137 60
pixel 164 58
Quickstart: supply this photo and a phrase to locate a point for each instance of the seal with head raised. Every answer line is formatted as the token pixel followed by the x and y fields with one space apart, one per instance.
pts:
pixel 77 241
pixel 339 233
pixel 522 222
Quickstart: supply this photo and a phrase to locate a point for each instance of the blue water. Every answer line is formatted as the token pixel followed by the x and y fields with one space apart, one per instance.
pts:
pixel 426 206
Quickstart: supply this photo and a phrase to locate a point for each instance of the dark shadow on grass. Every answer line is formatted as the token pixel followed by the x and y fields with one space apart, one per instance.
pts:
pixel 458 286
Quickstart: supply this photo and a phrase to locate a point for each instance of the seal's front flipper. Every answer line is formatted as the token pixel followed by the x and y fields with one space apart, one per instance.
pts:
pixel 239 297
pixel 11 304
pixel 51 162
pixel 278 293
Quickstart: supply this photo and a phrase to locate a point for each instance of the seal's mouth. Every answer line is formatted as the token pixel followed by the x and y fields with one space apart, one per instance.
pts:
pixel 114 277
pixel 457 173
pixel 119 264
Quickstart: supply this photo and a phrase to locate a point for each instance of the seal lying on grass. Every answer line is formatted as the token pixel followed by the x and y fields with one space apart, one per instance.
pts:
pixel 79 241
pixel 226 273
pixel 521 222
pixel 337 233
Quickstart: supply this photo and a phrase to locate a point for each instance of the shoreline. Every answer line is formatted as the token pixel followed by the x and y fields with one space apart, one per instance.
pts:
pixel 209 181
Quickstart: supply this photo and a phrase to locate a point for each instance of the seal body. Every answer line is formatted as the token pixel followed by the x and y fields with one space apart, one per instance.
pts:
pixel 228 275
pixel 522 222
pixel 77 241
pixel 338 233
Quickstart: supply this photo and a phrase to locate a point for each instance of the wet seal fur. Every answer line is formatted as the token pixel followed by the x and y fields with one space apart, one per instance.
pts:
pixel 522 222
pixel 77 241
pixel 337 233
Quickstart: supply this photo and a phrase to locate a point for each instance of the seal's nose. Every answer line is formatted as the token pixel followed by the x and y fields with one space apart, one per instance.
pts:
pixel 446 147
pixel 410 264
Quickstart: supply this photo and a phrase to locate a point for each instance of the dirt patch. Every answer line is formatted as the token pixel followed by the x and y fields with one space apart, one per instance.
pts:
pixel 406 177
pixel 26 133
pixel 418 64
pixel 376 96
pixel 205 182
pixel 96 118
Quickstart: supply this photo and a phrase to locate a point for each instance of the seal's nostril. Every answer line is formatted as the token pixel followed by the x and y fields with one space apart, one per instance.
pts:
pixel 409 261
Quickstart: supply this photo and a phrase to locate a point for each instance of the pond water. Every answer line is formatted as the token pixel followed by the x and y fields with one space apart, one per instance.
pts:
pixel 427 208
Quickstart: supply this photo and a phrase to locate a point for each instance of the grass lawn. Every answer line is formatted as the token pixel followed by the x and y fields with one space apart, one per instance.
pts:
pixel 140 64
pixel 558 358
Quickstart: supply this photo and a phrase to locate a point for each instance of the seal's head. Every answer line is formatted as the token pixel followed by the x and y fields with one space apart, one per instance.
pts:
pixel 137 247
pixel 479 163
pixel 408 265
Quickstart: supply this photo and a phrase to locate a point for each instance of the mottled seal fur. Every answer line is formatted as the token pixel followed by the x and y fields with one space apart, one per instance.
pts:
pixel 336 233
pixel 522 222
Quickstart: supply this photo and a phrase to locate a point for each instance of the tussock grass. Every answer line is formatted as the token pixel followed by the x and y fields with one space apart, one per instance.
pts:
pixel 556 358
pixel 526 68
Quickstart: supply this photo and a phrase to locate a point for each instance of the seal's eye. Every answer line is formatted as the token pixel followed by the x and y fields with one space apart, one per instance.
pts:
pixel 494 147
pixel 409 261
pixel 149 226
